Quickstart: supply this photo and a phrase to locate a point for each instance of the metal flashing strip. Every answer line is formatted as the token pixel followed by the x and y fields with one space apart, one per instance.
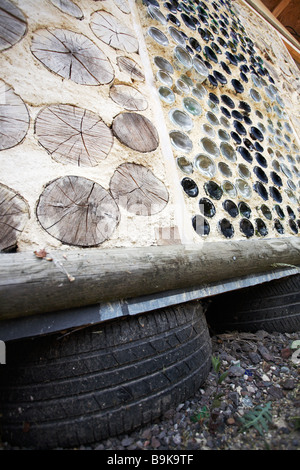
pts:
pixel 38 325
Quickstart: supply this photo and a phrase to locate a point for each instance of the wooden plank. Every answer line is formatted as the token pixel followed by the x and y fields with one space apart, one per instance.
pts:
pixel 77 211
pixel 73 135
pixel 30 285
pixel 280 7
pixel 294 53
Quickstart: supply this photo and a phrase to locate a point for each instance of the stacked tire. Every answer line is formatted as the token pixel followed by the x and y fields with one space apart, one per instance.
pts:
pixel 104 380
pixel 273 306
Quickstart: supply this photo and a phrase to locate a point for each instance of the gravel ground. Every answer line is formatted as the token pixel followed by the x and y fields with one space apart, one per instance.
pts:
pixel 262 370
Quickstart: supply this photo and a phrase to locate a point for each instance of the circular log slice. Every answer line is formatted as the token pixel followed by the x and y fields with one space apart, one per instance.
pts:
pixel 123 6
pixel 68 7
pixel 77 211
pixel 14 214
pixel 73 135
pixel 14 117
pixel 138 190
pixel 130 67
pixel 135 131
pixel 72 56
pixel 13 24
pixel 128 97
pixel 114 33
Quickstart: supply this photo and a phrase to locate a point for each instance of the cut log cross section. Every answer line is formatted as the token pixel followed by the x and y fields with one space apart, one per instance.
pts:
pixel 135 131
pixel 114 33
pixel 72 56
pixel 138 190
pixel 14 117
pixel 77 211
pixel 68 7
pixel 73 135
pixel 13 217
pixel 131 68
pixel 128 97
pixel 13 24
pixel 123 6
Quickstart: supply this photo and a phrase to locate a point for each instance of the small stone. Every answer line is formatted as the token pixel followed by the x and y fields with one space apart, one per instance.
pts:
pixel 285 353
pixel 210 442
pixel 265 353
pixel 180 406
pixel 251 389
pixel 146 434
pixel 254 357
pixel 230 421
pixel 127 441
pixel 275 392
pixel 284 430
pixel 155 430
pixel 288 384
pixel 170 413
pixel 236 371
pixel 247 402
pixel 234 397
pixel 139 444
pixel 177 439
pixel 155 443
pixel 100 447
pixel 132 447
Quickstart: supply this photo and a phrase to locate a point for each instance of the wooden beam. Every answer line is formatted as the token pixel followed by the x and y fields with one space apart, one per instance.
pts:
pixel 31 285
pixel 263 11
pixel 280 7
pixel 294 53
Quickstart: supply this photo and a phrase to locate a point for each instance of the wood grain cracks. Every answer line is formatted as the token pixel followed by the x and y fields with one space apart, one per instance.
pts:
pixel 73 135
pixel 14 117
pixel 77 211
pixel 135 131
pixel 13 24
pixel 14 213
pixel 68 7
pixel 128 97
pixel 131 68
pixel 113 32
pixel 72 56
pixel 123 6
pixel 72 209
pixel 136 189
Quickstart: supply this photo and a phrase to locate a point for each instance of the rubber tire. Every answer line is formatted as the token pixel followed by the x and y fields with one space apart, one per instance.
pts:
pixel 105 380
pixel 273 306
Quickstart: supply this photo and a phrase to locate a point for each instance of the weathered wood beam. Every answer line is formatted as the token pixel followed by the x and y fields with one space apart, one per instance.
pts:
pixel 280 7
pixel 31 285
pixel 287 37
